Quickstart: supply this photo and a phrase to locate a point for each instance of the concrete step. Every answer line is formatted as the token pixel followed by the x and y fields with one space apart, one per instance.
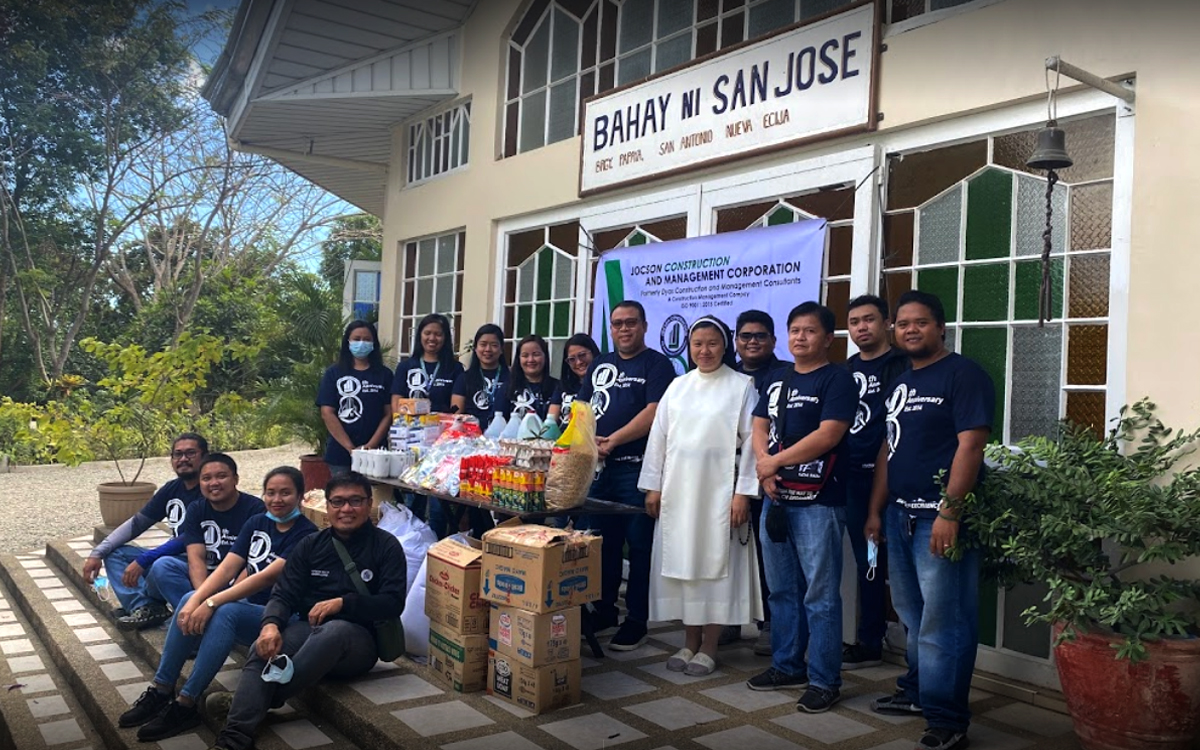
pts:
pixel 38 710
pixel 108 670
pixel 363 711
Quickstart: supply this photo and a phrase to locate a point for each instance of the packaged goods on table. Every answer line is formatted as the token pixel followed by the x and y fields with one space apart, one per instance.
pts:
pixel 413 406
pixel 440 466
pixel 522 490
pixel 476 474
pixel 414 431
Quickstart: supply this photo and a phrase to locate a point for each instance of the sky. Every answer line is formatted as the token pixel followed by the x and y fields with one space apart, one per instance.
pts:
pixel 210 48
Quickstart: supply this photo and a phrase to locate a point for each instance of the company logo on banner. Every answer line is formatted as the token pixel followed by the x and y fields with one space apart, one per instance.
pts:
pixel 815 81
pixel 771 269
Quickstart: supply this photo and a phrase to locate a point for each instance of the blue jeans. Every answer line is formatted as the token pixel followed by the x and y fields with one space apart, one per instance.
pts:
pixel 618 484
pixel 872 595
pixel 168 580
pixel 115 564
pixel 938 601
pixel 438 518
pixel 805 575
pixel 235 622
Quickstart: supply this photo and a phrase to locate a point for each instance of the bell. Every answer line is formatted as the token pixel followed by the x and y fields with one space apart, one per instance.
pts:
pixel 1051 151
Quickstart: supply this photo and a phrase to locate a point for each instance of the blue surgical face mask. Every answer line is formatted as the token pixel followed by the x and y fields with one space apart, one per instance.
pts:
pixel 283 519
pixel 361 349
pixel 279 670
pixel 872 558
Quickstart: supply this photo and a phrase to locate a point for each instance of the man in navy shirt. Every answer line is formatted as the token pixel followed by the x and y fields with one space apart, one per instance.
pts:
pixel 755 342
pixel 125 563
pixel 939 416
pixel 209 532
pixel 624 388
pixel 800 427
pixel 875 368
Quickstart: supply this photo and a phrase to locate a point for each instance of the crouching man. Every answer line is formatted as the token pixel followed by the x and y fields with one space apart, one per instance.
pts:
pixel 335 634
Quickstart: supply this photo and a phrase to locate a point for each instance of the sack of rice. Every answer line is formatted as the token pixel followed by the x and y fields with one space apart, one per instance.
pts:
pixel 573 462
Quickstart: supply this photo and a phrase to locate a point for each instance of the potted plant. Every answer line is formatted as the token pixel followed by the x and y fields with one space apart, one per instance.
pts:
pixel 1108 523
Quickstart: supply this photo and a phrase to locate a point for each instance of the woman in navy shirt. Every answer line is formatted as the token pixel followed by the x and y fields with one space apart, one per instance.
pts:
pixel 480 390
pixel 353 397
pixel 531 390
pixel 432 369
pixel 581 349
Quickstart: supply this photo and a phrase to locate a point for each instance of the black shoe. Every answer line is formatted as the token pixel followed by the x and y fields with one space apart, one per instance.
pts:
pixel 141 618
pixel 896 704
pixel 818 700
pixel 940 738
pixel 601 621
pixel 773 679
pixel 145 708
pixel 172 720
pixel 119 612
pixel 729 634
pixel 857 656
pixel 630 636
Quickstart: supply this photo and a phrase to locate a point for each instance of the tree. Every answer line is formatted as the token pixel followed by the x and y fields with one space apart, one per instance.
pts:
pixel 355 237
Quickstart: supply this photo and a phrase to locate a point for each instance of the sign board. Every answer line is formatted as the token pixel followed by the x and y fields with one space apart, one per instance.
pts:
pixel 806 83
pixel 771 269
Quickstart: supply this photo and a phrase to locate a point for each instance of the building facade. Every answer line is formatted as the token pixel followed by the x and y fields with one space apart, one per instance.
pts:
pixel 459 124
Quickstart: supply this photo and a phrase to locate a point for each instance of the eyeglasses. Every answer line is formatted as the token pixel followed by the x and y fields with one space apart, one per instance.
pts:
pixel 579 358
pixel 185 454
pixel 747 336
pixel 356 501
pixel 630 323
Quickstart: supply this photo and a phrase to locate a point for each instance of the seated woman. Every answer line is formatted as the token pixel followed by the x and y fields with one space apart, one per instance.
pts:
pixel 217 615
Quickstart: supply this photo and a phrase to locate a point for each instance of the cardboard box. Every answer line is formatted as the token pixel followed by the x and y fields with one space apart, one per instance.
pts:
pixel 535 689
pixel 540 569
pixel 412 406
pixel 460 660
pixel 535 640
pixel 452 575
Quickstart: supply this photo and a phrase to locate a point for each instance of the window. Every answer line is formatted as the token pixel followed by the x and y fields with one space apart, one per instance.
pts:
pixel 564 51
pixel 433 271
pixel 439 144
pixel 965 222
pixel 540 285
pixel 835 204
pixel 360 297
pixel 903 10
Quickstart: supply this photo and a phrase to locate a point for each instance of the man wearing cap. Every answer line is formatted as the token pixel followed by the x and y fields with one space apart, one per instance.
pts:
pixel 335 633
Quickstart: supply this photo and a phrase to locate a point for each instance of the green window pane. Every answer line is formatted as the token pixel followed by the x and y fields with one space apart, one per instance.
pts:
pixel 541 319
pixel 545 273
pixel 781 215
pixel 524 321
pixel 985 292
pixel 944 283
pixel 562 319
pixel 637 238
pixel 989 215
pixel 989 347
pixel 1029 289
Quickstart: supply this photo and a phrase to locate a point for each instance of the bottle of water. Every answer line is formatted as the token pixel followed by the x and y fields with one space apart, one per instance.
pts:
pixel 496 428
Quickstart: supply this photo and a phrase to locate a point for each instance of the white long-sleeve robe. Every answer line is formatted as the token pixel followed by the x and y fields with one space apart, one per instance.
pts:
pixel 700 570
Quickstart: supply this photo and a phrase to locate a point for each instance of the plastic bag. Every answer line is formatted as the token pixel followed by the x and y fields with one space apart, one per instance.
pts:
pixel 414 619
pixel 573 463
pixel 414 535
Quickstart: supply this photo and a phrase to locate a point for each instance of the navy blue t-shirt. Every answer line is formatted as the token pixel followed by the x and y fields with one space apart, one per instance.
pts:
pixel 533 398
pixel 564 399
pixel 874 378
pixel 926 410
pixel 360 398
pixel 762 374
pixel 260 543
pixel 170 503
pixel 827 393
pixel 416 378
pixel 483 403
pixel 218 530
pixel 619 389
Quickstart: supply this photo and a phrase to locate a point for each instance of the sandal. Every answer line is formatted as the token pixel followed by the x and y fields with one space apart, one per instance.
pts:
pixel 679 661
pixel 701 664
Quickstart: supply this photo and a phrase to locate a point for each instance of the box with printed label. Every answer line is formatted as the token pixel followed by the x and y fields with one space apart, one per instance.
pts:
pixel 452 574
pixel 535 689
pixel 540 569
pixel 461 660
pixel 534 639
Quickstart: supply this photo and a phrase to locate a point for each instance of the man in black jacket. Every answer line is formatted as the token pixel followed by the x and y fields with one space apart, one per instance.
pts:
pixel 335 634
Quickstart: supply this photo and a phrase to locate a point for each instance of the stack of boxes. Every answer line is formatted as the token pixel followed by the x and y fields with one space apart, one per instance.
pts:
pixel 458 617
pixel 536 579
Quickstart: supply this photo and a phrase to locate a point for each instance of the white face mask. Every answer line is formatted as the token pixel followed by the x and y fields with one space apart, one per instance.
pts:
pixel 279 670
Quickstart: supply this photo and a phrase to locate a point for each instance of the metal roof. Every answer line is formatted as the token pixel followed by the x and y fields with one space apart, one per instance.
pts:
pixel 318 84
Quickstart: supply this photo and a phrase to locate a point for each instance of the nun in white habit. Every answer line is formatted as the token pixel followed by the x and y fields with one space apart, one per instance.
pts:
pixel 699 475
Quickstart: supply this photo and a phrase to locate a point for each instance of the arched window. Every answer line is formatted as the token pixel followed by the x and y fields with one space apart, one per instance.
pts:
pixel 563 51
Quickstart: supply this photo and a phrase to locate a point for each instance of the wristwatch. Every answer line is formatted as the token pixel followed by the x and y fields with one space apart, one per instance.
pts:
pixel 210 603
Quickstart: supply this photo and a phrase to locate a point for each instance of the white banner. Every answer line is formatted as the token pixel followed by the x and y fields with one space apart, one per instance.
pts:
pixel 815 81
pixel 771 269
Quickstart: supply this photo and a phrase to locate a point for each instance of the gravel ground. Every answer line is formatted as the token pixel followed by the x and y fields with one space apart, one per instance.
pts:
pixel 41 503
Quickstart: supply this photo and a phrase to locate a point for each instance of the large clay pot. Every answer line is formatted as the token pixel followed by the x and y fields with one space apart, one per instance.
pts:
pixel 315 471
pixel 119 501
pixel 1153 704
